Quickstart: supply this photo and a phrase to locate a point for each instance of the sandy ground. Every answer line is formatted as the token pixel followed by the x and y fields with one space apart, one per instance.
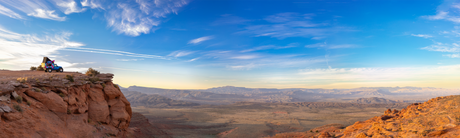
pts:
pixel 6 75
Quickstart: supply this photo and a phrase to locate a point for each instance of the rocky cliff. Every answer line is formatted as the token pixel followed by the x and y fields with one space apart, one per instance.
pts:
pixel 37 104
pixel 438 117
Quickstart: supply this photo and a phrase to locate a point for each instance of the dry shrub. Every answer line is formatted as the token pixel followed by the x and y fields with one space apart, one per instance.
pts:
pixel 40 68
pixel 92 72
pixel 33 68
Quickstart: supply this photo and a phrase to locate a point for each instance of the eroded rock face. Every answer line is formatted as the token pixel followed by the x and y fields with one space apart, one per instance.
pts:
pixel 55 107
pixel 438 117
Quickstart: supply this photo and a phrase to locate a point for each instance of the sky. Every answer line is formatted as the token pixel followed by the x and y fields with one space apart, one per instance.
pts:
pixel 198 44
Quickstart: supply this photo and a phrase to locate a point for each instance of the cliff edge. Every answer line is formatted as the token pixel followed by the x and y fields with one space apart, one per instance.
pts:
pixel 67 105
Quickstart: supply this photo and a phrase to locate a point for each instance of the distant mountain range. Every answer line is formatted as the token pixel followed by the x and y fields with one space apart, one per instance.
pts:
pixel 231 94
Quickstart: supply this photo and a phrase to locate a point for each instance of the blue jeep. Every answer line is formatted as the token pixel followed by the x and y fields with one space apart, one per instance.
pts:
pixel 49 65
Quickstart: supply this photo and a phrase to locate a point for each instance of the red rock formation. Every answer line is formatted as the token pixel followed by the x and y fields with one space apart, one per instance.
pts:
pixel 52 106
pixel 438 117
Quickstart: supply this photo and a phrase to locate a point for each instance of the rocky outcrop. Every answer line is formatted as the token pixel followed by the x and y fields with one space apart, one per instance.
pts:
pixel 56 105
pixel 438 117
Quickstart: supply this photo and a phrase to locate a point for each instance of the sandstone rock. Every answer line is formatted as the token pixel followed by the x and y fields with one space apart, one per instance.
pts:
pixel 13 116
pixel 51 100
pixel 5 98
pixel 5 108
pixel 119 114
pixel 14 94
pixel 79 126
pixel 98 111
pixel 111 91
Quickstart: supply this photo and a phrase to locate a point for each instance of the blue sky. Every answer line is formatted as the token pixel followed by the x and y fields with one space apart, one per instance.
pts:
pixel 251 43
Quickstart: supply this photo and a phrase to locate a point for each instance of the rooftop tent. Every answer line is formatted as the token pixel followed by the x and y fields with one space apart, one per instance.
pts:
pixel 45 59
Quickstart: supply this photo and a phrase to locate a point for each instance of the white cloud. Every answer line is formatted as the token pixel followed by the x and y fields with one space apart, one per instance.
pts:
pixel 452 55
pixel 422 35
pixel 329 46
pixel 135 19
pixel 269 47
pixel 93 4
pixel 443 47
pixel 244 57
pixel 20 51
pixel 439 15
pixel 112 52
pixel 243 67
pixel 69 6
pixel 41 13
pixel 377 74
pixel 35 8
pixel 201 39
pixel 193 59
pixel 180 53
pixel 9 13
pixel 285 25
pixel 129 59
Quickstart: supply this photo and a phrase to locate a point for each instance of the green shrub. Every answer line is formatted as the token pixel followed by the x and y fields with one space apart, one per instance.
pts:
pixel 93 79
pixel 103 85
pixel 317 131
pixel 92 72
pixel 28 103
pixel 69 77
pixel 18 108
pixel 89 120
pixel 68 111
pixel 37 90
pixel 40 68
pixel 33 68
pixel 61 94
pixel 19 99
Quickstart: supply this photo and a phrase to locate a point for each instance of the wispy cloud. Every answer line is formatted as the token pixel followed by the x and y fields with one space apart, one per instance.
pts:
pixel 193 59
pixel 9 13
pixel 131 18
pixel 229 19
pixel 129 59
pixel 41 13
pixel 335 75
pixel 452 55
pixel 201 39
pixel 422 35
pixel 180 53
pixel 443 47
pixel 285 25
pixel 69 6
pixel 135 19
pixel 243 67
pixel 236 60
pixel 270 47
pixel 35 8
pixel 329 46
pixel 112 52
pixel 244 57
pixel 21 51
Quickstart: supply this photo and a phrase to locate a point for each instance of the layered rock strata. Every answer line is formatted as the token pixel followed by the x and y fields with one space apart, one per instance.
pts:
pixel 63 105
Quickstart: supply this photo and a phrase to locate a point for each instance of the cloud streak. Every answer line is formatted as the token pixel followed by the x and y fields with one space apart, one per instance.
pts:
pixel 422 35
pixel 329 46
pixel 289 24
pixel 199 40
pixel 9 13
pixel 21 51
pixel 112 52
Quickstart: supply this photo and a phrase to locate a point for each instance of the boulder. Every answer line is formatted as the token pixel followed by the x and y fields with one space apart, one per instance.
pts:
pixel 98 111
pixel 51 100
pixel 111 91
pixel 5 108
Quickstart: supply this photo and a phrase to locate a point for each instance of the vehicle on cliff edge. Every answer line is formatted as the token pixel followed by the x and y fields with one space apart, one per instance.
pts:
pixel 49 65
